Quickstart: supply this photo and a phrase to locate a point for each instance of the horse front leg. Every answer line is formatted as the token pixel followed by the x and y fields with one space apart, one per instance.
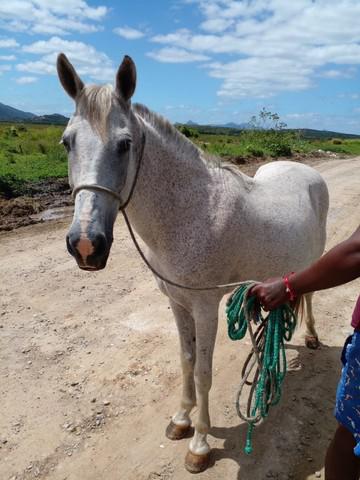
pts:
pixel 180 423
pixel 206 321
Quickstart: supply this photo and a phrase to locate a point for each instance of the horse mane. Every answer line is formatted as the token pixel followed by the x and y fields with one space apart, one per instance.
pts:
pixel 95 104
pixel 179 142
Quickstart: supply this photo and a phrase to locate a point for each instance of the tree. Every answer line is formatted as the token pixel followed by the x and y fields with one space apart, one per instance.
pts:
pixel 267 120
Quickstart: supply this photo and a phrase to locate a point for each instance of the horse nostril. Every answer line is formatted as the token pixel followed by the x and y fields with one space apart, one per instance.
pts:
pixel 90 251
pixel 100 244
pixel 70 245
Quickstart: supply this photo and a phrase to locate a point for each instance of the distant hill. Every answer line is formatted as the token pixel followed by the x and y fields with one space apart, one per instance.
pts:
pixel 231 125
pixel 8 113
pixel 54 119
pixel 309 134
pixel 11 114
pixel 234 129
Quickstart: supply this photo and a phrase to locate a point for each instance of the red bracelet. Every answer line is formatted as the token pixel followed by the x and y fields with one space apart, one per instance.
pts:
pixel 288 288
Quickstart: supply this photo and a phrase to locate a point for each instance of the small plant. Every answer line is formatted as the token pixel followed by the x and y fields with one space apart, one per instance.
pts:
pixel 42 148
pixel 13 132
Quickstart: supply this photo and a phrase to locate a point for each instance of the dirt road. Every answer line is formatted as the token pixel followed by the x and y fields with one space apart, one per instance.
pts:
pixel 89 371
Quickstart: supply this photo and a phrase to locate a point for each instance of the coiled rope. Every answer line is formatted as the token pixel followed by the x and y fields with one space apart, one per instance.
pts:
pixel 267 354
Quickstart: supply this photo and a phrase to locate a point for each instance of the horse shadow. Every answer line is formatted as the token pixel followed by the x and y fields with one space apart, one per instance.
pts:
pixel 292 442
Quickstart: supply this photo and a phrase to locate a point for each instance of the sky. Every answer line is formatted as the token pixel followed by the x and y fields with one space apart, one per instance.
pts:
pixel 208 61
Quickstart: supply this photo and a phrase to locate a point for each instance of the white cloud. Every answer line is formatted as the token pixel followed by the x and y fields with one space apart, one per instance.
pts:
pixel 8 43
pixel 176 55
pixel 263 47
pixel 50 16
pixel 128 33
pixel 4 68
pixel 87 60
pixel 25 80
pixel 216 24
pixel 7 58
pixel 333 73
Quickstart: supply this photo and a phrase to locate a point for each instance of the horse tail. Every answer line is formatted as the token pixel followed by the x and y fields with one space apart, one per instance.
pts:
pixel 299 308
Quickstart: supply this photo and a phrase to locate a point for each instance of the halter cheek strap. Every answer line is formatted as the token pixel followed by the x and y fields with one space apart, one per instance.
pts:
pixel 113 193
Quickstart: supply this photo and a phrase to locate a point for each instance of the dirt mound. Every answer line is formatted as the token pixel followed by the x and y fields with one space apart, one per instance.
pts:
pixel 43 195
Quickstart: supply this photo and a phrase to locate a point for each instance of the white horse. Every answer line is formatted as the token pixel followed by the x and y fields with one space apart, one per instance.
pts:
pixel 203 224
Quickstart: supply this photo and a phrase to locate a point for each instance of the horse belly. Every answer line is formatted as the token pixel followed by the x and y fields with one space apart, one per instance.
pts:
pixel 287 236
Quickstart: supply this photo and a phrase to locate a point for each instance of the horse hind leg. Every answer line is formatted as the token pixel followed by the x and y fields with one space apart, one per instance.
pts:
pixel 311 336
pixel 180 424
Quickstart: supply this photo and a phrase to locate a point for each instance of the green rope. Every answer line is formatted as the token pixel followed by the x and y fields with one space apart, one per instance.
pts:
pixel 268 353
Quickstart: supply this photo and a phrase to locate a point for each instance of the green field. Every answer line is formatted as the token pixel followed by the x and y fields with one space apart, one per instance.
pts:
pixel 30 153
pixel 268 143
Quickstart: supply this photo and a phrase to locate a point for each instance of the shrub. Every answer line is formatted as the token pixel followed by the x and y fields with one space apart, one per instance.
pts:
pixel 280 150
pixel 10 186
pixel 188 132
pixel 254 151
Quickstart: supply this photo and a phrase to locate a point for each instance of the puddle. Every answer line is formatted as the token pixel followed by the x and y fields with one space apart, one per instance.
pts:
pixel 53 214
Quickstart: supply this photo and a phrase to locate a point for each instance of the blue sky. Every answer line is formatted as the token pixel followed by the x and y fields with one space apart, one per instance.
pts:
pixel 209 61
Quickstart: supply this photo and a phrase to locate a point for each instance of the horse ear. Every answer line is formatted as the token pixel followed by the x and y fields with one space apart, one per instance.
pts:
pixel 68 77
pixel 126 79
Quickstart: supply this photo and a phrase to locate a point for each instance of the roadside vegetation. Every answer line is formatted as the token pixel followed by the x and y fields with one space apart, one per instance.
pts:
pixel 267 136
pixel 31 153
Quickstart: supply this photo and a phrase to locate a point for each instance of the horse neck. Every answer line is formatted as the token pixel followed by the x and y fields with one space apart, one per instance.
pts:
pixel 172 177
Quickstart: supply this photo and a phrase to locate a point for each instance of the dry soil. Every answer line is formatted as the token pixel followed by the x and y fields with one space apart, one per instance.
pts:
pixel 89 371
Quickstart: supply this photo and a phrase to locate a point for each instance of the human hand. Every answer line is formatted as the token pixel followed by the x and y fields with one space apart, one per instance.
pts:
pixel 271 293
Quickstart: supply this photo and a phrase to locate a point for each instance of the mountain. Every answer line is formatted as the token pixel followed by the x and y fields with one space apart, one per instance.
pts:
pixel 54 119
pixel 232 125
pixel 11 114
pixel 235 128
pixel 309 133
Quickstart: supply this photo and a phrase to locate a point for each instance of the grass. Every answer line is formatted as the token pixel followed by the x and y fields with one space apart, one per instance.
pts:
pixel 30 153
pixel 273 144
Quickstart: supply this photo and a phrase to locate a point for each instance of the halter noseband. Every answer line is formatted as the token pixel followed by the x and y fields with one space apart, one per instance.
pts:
pixel 113 193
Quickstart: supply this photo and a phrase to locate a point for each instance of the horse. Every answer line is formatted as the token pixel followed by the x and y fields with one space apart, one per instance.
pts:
pixel 202 222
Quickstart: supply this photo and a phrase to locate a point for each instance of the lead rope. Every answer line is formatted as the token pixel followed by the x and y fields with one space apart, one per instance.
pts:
pixel 267 355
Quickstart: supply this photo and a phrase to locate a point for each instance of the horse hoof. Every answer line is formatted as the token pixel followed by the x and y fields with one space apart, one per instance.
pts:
pixel 177 432
pixel 196 463
pixel 311 341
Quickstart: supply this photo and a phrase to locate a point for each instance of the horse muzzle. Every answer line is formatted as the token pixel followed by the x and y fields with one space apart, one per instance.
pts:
pixel 91 250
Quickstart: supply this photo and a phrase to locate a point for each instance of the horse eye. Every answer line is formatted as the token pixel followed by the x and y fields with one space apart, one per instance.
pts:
pixel 66 144
pixel 124 145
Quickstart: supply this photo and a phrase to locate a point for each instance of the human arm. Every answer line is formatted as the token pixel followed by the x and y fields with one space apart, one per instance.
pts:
pixel 338 266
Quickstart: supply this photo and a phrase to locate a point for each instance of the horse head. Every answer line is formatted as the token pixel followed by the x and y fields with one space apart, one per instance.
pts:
pixel 103 141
